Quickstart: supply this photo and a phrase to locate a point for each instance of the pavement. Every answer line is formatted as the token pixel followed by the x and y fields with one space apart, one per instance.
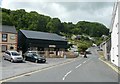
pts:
pixel 90 69
pixel 114 67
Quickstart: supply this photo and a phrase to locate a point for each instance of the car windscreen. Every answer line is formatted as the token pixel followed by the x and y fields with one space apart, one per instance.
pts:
pixel 15 54
pixel 36 55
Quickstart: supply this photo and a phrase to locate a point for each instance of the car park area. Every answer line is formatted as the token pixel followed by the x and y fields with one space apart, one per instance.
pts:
pixel 12 69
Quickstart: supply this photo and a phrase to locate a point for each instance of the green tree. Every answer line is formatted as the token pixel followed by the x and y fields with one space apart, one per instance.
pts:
pixel 54 26
pixel 84 45
pixel 6 19
pixel 37 22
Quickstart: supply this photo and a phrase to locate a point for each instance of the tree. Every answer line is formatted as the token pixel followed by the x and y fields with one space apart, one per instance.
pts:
pixel 83 46
pixel 38 22
pixel 7 11
pixel 76 31
pixel 54 26
pixel 42 22
pixel 6 19
pixel 93 29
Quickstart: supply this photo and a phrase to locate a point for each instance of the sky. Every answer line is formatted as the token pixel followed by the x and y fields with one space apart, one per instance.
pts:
pixel 67 11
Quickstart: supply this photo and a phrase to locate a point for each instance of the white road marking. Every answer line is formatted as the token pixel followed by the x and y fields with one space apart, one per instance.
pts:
pixel 78 66
pixel 88 59
pixel 66 75
pixel 84 62
pixel 39 70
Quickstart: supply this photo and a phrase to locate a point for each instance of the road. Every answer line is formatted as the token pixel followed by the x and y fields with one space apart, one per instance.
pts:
pixel 89 69
pixel 9 69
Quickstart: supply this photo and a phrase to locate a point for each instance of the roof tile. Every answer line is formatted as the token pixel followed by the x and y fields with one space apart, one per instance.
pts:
pixel 42 35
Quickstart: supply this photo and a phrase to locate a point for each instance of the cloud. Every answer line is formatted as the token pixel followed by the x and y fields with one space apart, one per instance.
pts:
pixel 72 11
pixel 90 11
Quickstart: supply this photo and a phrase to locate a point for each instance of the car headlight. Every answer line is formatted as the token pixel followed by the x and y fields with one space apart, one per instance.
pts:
pixel 35 57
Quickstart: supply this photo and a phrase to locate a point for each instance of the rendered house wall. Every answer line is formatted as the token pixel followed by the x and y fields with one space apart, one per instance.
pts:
pixel 114 40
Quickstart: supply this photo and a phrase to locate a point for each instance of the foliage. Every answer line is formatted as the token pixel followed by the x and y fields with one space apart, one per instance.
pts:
pixel 83 46
pixel 54 25
pixel 38 22
pixel 92 28
pixel 6 19
pixel 99 40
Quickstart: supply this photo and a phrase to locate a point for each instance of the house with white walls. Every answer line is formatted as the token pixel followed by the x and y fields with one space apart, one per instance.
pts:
pixel 105 47
pixel 115 36
pixel 119 33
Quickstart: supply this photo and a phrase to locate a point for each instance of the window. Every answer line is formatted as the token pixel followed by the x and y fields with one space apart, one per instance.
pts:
pixel 12 37
pixel 117 24
pixel 11 48
pixel 117 55
pixel 29 54
pixel 4 37
pixel 4 48
pixel 8 53
pixel 15 54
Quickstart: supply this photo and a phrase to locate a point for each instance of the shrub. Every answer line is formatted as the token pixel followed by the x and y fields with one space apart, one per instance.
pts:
pixel 83 46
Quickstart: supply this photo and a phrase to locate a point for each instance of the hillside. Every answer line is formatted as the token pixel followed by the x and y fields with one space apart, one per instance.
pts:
pixel 38 22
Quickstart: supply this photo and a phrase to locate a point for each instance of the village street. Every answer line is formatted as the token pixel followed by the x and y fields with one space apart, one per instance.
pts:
pixel 59 41
pixel 89 69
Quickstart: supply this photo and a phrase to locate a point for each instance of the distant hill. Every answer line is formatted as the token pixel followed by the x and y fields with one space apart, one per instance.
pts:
pixel 38 22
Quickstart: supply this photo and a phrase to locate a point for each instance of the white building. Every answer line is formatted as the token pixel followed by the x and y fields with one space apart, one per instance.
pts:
pixel 115 36
pixel 119 33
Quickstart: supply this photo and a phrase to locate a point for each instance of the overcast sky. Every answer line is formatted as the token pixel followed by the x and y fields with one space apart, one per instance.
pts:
pixel 67 11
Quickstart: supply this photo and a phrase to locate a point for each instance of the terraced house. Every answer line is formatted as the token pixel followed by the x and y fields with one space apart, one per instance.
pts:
pixel 8 38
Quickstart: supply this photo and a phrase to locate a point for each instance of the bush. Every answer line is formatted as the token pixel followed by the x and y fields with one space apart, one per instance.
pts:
pixel 83 46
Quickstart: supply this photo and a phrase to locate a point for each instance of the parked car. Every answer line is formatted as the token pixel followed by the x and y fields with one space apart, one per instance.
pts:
pixel 76 53
pixel 88 52
pixel 100 50
pixel 35 52
pixel 12 56
pixel 34 57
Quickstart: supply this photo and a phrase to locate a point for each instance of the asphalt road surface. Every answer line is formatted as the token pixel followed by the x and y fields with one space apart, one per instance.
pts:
pixel 9 69
pixel 89 69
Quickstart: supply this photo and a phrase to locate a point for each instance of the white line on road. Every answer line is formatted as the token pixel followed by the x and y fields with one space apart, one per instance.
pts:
pixel 88 59
pixel 84 62
pixel 78 66
pixel 66 75
pixel 39 70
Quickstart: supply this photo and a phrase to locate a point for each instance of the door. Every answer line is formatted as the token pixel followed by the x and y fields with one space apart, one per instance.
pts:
pixel 8 55
pixel 28 56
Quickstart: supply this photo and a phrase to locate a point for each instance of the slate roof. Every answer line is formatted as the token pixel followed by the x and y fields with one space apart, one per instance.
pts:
pixel 42 35
pixel 8 29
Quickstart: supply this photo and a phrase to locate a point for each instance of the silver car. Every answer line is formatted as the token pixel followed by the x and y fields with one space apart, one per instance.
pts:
pixel 13 56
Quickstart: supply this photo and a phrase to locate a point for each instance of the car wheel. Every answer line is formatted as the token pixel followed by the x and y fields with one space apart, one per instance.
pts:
pixel 4 58
pixel 25 59
pixel 36 61
pixel 12 60
pixel 44 62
